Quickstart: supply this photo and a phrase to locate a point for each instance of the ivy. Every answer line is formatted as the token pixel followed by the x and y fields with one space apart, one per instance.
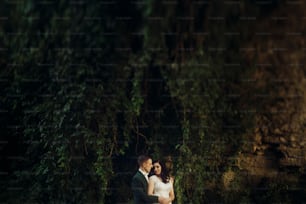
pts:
pixel 88 86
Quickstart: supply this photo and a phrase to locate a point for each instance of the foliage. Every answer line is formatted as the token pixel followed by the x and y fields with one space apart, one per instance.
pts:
pixel 88 86
pixel 197 81
pixel 61 78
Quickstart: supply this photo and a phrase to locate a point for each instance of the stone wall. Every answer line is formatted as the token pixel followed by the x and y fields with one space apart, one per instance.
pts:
pixel 277 88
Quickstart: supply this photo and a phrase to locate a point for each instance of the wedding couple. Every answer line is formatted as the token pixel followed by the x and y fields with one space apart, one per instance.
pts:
pixel 152 182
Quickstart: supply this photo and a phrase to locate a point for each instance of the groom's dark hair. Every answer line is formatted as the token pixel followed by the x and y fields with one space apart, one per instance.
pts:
pixel 142 158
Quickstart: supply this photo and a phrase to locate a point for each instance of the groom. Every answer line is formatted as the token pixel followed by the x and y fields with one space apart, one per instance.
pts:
pixel 140 183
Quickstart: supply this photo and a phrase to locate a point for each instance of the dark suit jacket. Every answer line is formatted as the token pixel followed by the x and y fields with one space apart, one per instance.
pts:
pixel 140 189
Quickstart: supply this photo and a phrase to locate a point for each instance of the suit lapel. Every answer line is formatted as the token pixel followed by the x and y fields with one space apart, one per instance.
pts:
pixel 143 179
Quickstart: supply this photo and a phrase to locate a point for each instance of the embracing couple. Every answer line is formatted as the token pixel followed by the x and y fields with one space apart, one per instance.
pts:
pixel 152 182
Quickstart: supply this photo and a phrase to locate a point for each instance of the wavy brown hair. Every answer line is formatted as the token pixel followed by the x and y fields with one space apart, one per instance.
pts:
pixel 164 174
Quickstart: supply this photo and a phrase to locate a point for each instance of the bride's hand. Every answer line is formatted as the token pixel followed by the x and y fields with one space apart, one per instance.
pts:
pixel 164 200
pixel 169 200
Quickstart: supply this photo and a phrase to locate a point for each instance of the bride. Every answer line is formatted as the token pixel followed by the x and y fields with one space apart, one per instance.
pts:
pixel 160 182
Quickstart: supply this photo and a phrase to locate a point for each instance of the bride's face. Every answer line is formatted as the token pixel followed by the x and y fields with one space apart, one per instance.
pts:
pixel 157 168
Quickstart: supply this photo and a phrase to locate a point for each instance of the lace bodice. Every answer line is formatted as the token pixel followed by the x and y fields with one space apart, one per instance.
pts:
pixel 161 188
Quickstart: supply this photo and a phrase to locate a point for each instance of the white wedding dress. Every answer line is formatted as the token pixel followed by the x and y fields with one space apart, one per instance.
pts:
pixel 161 188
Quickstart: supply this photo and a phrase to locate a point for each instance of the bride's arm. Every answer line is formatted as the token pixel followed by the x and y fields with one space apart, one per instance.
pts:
pixel 150 186
pixel 171 193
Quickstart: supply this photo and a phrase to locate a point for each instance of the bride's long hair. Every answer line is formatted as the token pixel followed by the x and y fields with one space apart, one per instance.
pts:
pixel 164 174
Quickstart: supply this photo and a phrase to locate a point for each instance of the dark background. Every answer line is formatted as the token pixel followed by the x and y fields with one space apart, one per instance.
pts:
pixel 214 87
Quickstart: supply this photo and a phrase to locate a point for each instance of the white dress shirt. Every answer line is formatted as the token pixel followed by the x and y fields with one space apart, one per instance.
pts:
pixel 145 174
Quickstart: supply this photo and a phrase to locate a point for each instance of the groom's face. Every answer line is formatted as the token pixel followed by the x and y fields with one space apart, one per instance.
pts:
pixel 147 165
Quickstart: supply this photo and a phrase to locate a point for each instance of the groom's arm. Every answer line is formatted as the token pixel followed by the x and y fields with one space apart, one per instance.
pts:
pixel 140 192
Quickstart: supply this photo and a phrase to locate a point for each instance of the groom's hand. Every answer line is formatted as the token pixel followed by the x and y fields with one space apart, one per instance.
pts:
pixel 163 200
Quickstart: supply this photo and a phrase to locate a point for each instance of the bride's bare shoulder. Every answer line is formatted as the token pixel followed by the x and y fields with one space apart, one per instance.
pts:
pixel 152 177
